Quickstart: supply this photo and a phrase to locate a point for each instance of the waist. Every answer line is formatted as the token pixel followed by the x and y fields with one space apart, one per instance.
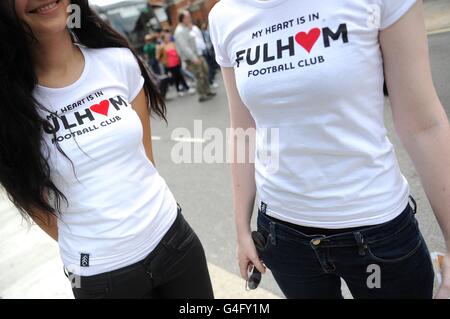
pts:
pixel 145 260
pixel 112 244
pixel 336 237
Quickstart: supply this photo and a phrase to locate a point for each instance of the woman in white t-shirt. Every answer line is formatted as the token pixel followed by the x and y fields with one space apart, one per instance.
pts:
pixel 308 75
pixel 76 154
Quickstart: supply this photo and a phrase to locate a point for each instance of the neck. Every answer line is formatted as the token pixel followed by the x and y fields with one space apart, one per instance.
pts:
pixel 54 54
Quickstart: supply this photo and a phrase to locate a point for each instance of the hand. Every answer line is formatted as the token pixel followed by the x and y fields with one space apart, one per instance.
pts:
pixel 444 289
pixel 247 256
pixel 197 61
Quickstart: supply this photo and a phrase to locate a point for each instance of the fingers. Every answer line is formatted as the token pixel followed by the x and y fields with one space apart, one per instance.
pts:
pixel 444 289
pixel 258 264
pixel 243 267
pixel 246 264
pixel 248 257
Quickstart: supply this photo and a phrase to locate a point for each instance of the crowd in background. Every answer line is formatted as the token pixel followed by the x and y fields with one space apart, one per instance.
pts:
pixel 183 58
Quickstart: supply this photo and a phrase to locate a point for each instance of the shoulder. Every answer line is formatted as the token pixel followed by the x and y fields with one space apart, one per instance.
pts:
pixel 392 10
pixel 121 59
pixel 225 12
pixel 179 29
pixel 219 9
pixel 222 6
pixel 111 56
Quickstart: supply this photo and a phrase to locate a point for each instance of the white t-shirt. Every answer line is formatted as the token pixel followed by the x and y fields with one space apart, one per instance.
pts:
pixel 119 207
pixel 199 40
pixel 311 74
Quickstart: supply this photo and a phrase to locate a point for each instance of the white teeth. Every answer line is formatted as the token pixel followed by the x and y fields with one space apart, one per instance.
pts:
pixel 46 7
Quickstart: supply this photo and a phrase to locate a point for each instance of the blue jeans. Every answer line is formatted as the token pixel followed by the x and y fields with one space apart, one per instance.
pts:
pixel 390 260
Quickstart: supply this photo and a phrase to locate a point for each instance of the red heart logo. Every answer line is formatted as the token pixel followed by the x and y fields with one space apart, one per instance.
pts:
pixel 101 108
pixel 307 40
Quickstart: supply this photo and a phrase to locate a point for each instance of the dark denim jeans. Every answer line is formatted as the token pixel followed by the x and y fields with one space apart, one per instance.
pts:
pixel 175 269
pixel 385 261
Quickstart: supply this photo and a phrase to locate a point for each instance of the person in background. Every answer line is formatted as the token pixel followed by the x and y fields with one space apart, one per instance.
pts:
pixel 168 55
pixel 150 47
pixel 209 56
pixel 203 50
pixel 187 48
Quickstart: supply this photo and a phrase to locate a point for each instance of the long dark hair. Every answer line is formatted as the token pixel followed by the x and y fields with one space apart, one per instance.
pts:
pixel 25 172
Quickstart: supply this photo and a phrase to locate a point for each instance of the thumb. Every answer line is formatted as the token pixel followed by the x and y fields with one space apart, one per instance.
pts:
pixel 258 264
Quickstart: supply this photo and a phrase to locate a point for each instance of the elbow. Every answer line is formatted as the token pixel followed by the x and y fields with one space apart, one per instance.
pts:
pixel 412 131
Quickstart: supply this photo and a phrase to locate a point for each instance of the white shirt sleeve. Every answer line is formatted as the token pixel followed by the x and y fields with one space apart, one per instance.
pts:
pixel 132 73
pixel 394 10
pixel 222 57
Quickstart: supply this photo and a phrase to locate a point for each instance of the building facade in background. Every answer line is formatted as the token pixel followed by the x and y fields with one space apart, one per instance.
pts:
pixel 167 11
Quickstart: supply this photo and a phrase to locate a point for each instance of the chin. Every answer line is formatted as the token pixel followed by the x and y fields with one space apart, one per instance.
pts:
pixel 50 19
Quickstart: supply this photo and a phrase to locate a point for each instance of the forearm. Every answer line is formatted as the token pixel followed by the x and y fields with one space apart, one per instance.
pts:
pixel 430 152
pixel 242 140
pixel 244 192
pixel 243 171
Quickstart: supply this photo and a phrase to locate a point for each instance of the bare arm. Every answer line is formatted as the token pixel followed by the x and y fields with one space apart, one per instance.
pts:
pixel 140 106
pixel 419 117
pixel 244 188
pixel 48 223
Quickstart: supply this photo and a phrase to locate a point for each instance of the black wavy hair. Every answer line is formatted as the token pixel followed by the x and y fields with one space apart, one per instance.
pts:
pixel 25 172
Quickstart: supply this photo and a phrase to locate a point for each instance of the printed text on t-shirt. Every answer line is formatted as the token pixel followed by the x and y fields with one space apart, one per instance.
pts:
pixel 91 114
pixel 304 40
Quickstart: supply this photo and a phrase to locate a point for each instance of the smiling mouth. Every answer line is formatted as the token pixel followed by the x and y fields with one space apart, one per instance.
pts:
pixel 46 8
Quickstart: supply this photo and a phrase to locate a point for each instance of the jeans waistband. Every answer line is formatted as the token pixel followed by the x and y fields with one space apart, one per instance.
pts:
pixel 345 237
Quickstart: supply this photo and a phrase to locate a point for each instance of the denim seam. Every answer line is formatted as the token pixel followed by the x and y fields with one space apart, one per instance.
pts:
pixel 396 260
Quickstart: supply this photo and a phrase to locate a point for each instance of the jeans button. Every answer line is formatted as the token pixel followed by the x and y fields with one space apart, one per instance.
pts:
pixel 316 242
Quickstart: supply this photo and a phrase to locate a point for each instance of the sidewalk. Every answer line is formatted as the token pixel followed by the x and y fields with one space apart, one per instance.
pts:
pixel 437 15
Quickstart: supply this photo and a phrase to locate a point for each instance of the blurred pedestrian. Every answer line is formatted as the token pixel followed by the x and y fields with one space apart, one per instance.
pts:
pixel 150 47
pixel 209 56
pixel 168 55
pixel 187 48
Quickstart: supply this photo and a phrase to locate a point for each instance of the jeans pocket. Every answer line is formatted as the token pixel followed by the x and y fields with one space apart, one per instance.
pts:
pixel 180 237
pixel 267 240
pixel 397 248
pixel 263 226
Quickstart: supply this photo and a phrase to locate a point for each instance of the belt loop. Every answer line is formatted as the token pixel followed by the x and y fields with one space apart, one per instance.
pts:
pixel 360 241
pixel 414 204
pixel 273 237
